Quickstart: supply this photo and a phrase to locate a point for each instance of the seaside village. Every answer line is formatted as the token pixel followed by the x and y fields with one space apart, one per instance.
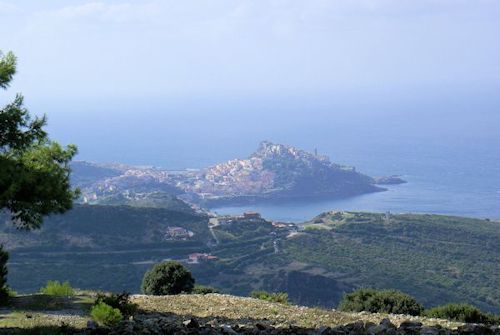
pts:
pixel 174 233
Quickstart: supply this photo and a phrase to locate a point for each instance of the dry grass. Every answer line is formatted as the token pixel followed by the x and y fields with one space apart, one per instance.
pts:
pixel 28 320
pixel 242 310
pixel 38 310
pixel 29 312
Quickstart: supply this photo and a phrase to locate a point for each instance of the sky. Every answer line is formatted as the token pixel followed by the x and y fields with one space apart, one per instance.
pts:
pixel 234 48
pixel 219 73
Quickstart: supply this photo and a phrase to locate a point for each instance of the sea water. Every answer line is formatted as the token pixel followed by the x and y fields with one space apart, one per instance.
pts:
pixel 447 150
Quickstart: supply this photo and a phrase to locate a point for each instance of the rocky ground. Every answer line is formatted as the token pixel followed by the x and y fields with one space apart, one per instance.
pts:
pixel 163 325
pixel 217 314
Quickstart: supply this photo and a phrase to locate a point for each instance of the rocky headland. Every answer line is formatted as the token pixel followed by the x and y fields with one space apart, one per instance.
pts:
pixel 273 173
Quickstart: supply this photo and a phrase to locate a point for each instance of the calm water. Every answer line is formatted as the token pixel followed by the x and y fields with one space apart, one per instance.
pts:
pixel 447 149
pixel 418 196
pixel 458 178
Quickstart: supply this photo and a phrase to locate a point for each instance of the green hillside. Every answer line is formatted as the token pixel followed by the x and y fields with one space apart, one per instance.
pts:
pixel 437 259
pixel 150 200
pixel 101 247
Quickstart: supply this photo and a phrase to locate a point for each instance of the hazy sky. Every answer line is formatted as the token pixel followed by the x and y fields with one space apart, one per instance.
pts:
pixel 230 48
pixel 191 82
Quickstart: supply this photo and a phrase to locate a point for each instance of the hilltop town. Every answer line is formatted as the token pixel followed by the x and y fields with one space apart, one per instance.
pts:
pixel 275 172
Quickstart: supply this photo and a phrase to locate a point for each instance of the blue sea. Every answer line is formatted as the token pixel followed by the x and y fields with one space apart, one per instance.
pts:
pixel 457 178
pixel 447 148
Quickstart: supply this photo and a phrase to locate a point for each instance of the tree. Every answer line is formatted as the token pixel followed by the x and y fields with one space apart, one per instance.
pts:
pixel 167 278
pixel 34 171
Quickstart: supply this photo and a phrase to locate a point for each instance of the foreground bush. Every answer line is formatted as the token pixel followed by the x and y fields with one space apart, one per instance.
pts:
pixel 105 315
pixel 120 301
pixel 461 313
pixel 202 289
pixel 54 287
pixel 167 278
pixel 280 297
pixel 380 301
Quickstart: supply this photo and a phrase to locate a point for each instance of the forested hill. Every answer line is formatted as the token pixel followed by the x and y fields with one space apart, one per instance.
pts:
pixel 96 227
pixel 101 247
pixel 438 259
pixel 435 257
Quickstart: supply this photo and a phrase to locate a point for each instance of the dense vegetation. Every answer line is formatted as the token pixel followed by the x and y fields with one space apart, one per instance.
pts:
pixel 106 247
pixel 437 259
pixel 105 315
pixel 34 170
pixel 380 301
pixel 434 258
pixel 463 313
pixel 56 288
pixel 169 277
pixel 106 228
pixel 397 302
pixel 120 301
pixel 150 200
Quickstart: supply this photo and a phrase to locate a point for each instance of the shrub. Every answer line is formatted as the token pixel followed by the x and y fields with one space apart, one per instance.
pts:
pixel 167 278
pixel 280 297
pixel 202 289
pixel 380 301
pixel 106 315
pixel 461 313
pixel 4 291
pixel 11 293
pixel 54 287
pixel 121 301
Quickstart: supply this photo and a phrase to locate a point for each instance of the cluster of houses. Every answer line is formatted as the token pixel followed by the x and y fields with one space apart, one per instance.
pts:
pixel 178 233
pixel 277 224
pixel 198 257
